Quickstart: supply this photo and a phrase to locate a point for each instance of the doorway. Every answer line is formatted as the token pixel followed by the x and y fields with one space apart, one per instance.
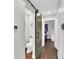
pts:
pixel 29 34
pixel 49 30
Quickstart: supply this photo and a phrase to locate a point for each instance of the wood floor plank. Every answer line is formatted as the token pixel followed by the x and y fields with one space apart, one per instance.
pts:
pixel 48 51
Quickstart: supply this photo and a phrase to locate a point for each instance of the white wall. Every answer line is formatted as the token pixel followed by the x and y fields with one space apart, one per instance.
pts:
pixel 19 34
pixel 60 35
pixel 61 40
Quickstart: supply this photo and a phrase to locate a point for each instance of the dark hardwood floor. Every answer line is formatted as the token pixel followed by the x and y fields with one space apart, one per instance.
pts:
pixel 48 51
pixel 28 55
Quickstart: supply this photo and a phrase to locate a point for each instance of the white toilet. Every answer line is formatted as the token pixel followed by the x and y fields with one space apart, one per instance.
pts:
pixel 29 45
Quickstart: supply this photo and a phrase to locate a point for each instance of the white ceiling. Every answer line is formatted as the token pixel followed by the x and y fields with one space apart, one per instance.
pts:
pixel 47 5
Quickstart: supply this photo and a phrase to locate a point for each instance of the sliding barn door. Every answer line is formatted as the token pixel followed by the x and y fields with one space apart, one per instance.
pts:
pixel 38 35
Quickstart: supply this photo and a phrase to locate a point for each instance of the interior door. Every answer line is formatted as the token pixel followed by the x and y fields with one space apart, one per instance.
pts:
pixel 38 36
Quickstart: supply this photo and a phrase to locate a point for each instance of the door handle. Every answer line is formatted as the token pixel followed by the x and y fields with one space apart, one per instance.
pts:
pixel 37 35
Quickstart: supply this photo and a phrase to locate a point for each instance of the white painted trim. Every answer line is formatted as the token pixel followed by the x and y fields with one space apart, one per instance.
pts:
pixel 49 19
pixel 43 39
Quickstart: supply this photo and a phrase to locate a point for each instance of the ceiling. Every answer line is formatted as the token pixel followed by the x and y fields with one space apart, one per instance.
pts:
pixel 48 5
pixel 45 5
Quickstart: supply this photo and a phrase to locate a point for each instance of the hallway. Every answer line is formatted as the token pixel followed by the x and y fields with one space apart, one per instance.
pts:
pixel 48 51
pixel 30 19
